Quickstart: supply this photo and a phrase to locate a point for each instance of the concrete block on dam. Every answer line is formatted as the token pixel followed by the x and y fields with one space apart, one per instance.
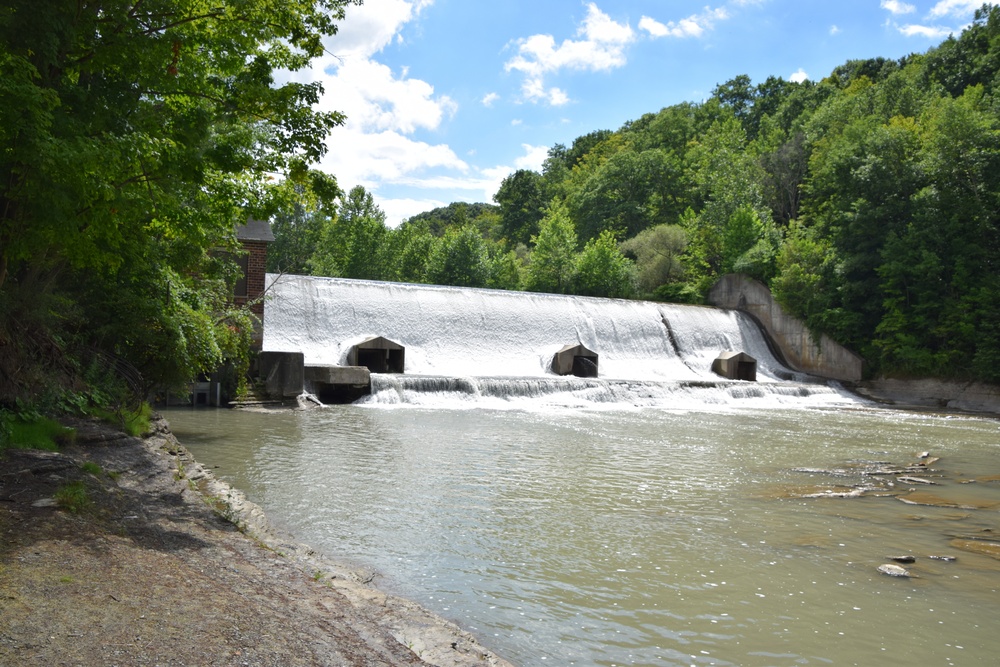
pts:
pixel 735 366
pixel 575 360
pixel 338 384
pixel 378 355
pixel 283 373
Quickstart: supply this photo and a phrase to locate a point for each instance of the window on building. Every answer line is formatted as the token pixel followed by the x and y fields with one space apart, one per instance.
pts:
pixel 243 261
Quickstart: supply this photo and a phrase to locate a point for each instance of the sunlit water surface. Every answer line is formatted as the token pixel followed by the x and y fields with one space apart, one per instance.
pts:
pixel 639 537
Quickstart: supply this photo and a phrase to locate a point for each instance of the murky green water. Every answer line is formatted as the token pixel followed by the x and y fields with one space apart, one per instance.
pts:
pixel 643 537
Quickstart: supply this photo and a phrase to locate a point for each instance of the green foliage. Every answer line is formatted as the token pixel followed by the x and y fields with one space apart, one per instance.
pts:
pixel 73 497
pixel 626 193
pixel 91 468
pixel 438 221
pixel 551 266
pixel 507 270
pixel 521 205
pixel 411 247
pixel 26 430
pixel 133 138
pixel 658 252
pixel 460 258
pixel 300 210
pixel 354 244
pixel 133 421
pixel 602 270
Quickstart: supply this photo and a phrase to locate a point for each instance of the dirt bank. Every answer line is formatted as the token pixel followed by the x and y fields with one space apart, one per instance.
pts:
pixel 164 565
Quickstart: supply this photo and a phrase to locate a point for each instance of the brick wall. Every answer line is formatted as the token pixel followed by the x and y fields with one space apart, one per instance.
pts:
pixel 256 267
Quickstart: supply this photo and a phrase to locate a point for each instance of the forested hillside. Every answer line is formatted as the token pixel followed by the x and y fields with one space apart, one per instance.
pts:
pixel 867 201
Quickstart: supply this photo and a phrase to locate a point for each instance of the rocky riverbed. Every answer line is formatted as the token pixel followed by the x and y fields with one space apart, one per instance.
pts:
pixel 125 551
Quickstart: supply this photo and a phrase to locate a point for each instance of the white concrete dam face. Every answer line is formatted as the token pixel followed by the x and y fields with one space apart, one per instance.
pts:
pixel 464 332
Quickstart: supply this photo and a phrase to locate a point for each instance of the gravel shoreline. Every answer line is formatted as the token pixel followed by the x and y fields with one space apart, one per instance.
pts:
pixel 164 564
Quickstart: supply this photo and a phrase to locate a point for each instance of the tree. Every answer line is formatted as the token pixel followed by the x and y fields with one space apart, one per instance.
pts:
pixel 785 170
pixel 734 216
pixel 737 94
pixel 355 243
pixel 507 270
pixel 550 268
pixel 301 210
pixel 133 137
pixel 521 205
pixel 658 251
pixel 409 246
pixel 626 193
pixel 460 258
pixel 602 270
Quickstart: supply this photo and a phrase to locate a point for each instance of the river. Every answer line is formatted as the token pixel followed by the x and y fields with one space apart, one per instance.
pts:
pixel 616 535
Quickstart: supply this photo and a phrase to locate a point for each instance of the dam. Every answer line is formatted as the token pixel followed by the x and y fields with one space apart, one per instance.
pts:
pixel 480 344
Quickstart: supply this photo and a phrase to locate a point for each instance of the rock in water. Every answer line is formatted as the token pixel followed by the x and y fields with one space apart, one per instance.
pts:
pixel 903 559
pixel 894 570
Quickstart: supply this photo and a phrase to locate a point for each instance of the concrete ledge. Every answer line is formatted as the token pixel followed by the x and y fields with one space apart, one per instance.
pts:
pixel 823 357
pixel 338 374
pixel 339 384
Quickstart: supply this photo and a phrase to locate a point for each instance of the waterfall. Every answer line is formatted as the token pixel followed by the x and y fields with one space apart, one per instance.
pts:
pixel 477 343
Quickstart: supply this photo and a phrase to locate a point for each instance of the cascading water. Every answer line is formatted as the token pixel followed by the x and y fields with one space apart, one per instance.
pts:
pixel 476 345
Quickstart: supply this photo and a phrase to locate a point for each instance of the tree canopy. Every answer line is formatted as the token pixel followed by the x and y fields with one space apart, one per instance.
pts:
pixel 134 136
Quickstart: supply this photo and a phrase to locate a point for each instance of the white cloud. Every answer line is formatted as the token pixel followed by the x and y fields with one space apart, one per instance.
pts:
pixel 799 77
pixel 897 7
pixel 557 97
pixel 931 32
pixel 533 158
pixel 601 48
pixel 366 158
pixel 956 8
pixel 489 99
pixel 371 27
pixel 374 98
pixel 692 26
pixel 834 30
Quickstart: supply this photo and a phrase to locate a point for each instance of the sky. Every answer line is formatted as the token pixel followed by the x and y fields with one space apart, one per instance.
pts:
pixel 445 98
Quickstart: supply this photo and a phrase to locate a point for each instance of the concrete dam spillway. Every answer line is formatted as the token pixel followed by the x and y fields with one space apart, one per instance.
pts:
pixel 484 344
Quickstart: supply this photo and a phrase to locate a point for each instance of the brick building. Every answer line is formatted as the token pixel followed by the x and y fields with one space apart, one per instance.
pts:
pixel 254 236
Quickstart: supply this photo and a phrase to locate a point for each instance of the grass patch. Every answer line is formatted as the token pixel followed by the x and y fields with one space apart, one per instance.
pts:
pixel 36 433
pixel 136 422
pixel 133 422
pixel 73 497
pixel 91 467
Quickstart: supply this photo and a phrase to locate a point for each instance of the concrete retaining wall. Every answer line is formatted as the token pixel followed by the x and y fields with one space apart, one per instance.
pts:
pixel 825 358
pixel 283 373
pixel 934 394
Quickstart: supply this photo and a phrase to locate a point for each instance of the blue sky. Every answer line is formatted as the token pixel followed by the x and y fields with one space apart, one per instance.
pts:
pixel 445 98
